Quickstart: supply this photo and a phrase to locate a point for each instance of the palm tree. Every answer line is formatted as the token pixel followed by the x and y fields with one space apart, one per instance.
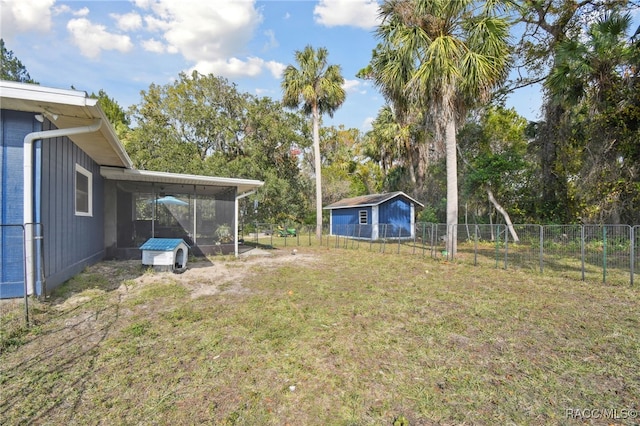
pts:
pixel 456 52
pixel 591 88
pixel 317 86
pixel 592 67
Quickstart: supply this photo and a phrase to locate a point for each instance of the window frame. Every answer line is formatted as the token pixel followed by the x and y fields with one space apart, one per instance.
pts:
pixel 363 214
pixel 89 193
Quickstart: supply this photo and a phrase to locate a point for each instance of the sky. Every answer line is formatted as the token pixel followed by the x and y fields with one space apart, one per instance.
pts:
pixel 123 46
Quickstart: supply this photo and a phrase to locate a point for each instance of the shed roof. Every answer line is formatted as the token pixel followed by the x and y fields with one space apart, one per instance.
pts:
pixel 162 244
pixel 369 200
pixel 67 109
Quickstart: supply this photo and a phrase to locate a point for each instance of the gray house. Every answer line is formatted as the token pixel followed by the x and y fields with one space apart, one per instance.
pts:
pixel 390 215
pixel 69 195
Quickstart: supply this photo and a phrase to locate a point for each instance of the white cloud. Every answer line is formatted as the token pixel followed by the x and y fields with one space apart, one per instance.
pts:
pixel 60 9
pixel 128 22
pixel 155 25
pixel 153 45
pixel 351 86
pixel 356 13
pixel 203 32
pixel 81 12
pixel 92 38
pixel 271 43
pixel 213 35
pixel 23 16
pixel 234 67
pixel 276 68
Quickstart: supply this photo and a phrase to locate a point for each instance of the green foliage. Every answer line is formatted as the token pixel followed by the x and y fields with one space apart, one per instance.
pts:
pixel 114 112
pixel 428 214
pixel 11 68
pixel 593 122
pixel 494 154
pixel 316 86
pixel 204 125
pixel 178 126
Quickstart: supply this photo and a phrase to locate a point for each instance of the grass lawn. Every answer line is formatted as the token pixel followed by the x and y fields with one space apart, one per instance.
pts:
pixel 323 337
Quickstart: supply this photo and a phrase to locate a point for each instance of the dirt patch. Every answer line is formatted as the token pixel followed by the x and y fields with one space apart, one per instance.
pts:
pixel 218 275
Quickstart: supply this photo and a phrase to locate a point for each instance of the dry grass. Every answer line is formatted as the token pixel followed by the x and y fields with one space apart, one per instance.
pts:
pixel 325 337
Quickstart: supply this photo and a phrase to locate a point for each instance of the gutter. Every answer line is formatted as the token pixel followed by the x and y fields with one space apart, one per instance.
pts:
pixel 237 215
pixel 28 189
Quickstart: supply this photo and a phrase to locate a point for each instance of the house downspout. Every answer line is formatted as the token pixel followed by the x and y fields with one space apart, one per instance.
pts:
pixel 28 189
pixel 237 213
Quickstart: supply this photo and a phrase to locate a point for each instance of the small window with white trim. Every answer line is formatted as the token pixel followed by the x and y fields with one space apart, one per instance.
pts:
pixel 84 191
pixel 364 216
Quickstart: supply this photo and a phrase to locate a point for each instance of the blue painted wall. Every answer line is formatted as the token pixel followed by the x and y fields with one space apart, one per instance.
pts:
pixel 394 220
pixel 14 126
pixel 347 222
pixel 70 242
pixel 396 215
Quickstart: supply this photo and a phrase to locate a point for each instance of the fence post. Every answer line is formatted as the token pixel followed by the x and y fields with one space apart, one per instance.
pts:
pixel 497 243
pixel 633 255
pixel 604 254
pixel 432 236
pixel 506 246
pixel 582 249
pixel 541 249
pixel 475 245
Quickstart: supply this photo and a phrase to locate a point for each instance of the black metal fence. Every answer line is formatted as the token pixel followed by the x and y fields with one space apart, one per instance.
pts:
pixel 606 253
pixel 13 254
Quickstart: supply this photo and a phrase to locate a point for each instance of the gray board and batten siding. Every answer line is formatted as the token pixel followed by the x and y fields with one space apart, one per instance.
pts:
pixel 72 241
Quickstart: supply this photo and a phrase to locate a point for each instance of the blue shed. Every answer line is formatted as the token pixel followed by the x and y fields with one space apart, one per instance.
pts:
pixel 389 215
pixel 70 197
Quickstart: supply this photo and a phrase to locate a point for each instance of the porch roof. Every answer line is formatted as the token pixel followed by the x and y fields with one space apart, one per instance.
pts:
pixel 132 175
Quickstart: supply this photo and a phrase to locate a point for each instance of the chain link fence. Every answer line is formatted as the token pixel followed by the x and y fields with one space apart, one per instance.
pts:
pixel 606 253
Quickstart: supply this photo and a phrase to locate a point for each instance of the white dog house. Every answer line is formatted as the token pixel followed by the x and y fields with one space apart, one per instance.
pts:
pixel 165 254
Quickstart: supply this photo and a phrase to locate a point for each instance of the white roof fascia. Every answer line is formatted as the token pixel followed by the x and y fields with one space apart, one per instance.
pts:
pixel 115 173
pixel 391 195
pixel 34 92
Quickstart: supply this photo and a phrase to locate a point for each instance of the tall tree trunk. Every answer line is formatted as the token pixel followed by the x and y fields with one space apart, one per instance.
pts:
pixel 504 213
pixel 452 181
pixel 422 152
pixel 410 164
pixel 318 167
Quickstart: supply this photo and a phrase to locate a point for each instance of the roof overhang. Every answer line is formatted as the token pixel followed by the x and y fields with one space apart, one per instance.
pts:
pixel 369 201
pixel 68 109
pixel 242 185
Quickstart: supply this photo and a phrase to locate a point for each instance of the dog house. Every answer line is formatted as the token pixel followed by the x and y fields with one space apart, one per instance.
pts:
pixel 165 254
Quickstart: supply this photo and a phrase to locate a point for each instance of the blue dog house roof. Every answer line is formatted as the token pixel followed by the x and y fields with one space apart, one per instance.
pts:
pixel 162 244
